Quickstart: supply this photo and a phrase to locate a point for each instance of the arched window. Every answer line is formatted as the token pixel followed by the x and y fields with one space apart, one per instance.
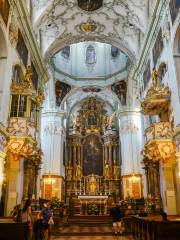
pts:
pixel 65 52
pixel 17 74
pixel 114 52
pixel 90 55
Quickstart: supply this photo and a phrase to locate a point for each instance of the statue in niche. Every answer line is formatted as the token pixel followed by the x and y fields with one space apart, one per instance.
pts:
pixel 154 77
pixel 92 184
pixel 69 171
pixel 116 172
pixel 107 171
pixel 28 77
pixel 78 172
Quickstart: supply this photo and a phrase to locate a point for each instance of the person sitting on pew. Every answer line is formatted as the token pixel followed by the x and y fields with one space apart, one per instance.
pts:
pixel 164 216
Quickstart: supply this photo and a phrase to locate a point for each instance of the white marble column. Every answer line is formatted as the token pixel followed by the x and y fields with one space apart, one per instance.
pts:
pixel 52 139
pixel 130 141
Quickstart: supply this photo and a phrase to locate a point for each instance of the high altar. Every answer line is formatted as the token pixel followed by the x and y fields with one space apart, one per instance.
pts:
pixel 93 167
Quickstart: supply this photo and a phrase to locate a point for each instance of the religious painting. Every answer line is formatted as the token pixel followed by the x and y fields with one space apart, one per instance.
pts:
pixel 92 152
pixel 65 52
pixel 90 55
pixel 90 5
pixel 61 89
pixel 114 52
pixel 4 10
pixel 158 47
pixel 34 77
pixel 120 89
pixel 22 49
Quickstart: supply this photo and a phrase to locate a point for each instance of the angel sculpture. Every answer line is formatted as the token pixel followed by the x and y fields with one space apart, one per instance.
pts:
pixel 154 77
pixel 28 77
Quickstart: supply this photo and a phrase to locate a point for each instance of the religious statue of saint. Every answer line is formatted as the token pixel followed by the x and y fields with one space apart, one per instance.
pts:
pixel 92 184
pixel 28 77
pixel 39 99
pixel 107 171
pixel 154 77
pixel 78 172
pixel 116 172
pixel 69 172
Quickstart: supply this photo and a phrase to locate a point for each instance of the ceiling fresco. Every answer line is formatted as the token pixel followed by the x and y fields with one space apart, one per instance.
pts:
pixel 63 22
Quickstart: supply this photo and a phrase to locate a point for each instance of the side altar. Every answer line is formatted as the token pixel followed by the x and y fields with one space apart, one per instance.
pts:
pixel 93 164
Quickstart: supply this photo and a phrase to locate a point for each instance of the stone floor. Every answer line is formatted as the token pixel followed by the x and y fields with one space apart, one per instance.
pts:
pixel 76 232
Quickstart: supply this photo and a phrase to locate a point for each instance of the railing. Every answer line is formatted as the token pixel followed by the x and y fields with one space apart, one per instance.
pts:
pixel 157 131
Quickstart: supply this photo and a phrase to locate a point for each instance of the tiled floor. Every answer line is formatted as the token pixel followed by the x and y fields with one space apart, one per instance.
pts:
pixel 76 232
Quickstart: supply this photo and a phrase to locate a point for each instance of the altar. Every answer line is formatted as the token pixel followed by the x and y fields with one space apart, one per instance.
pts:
pixel 92 205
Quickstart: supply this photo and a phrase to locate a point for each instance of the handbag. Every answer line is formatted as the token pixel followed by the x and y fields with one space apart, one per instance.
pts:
pixel 51 221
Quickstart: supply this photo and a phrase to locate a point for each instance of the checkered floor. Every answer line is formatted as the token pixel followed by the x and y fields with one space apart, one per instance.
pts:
pixel 76 232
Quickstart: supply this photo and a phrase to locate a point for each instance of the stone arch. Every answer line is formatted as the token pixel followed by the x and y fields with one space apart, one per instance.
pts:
pixel 81 97
pixel 60 43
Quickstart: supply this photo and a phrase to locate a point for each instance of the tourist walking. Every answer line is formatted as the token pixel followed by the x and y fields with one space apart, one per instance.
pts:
pixel 117 216
pixel 47 221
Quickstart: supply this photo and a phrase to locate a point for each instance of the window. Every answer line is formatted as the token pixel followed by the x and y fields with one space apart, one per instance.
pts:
pixel 174 6
pixel 147 75
pixel 114 52
pixel 17 74
pixel 158 47
pixel 34 77
pixel 65 52
pixel 18 106
pixel 90 55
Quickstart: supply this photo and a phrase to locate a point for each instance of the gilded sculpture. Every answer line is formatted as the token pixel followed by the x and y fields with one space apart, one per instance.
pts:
pixel 154 77
pixel 39 99
pixel 28 77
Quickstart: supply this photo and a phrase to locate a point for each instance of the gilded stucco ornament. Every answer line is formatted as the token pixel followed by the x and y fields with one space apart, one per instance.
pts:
pixel 159 144
pixel 25 85
pixel 13 34
pixel 39 99
pixel 157 98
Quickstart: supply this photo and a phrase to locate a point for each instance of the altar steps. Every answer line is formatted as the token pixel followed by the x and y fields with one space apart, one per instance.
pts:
pixel 92 220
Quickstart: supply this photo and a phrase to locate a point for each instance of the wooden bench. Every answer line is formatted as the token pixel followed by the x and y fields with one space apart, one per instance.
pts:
pixel 10 230
pixel 152 228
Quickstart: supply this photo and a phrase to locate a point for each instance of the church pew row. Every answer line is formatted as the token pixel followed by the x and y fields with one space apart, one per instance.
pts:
pixel 10 230
pixel 154 229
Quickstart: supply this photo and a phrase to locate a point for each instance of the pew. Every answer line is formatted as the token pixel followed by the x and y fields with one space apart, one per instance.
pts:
pixel 152 228
pixel 10 230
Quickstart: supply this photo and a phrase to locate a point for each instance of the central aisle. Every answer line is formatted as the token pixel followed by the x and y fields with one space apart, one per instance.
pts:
pixel 81 232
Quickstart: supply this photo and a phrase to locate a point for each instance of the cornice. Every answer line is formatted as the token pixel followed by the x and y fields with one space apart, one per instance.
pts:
pixel 27 31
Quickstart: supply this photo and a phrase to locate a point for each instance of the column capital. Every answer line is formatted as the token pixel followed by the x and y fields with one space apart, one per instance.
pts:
pixel 128 111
